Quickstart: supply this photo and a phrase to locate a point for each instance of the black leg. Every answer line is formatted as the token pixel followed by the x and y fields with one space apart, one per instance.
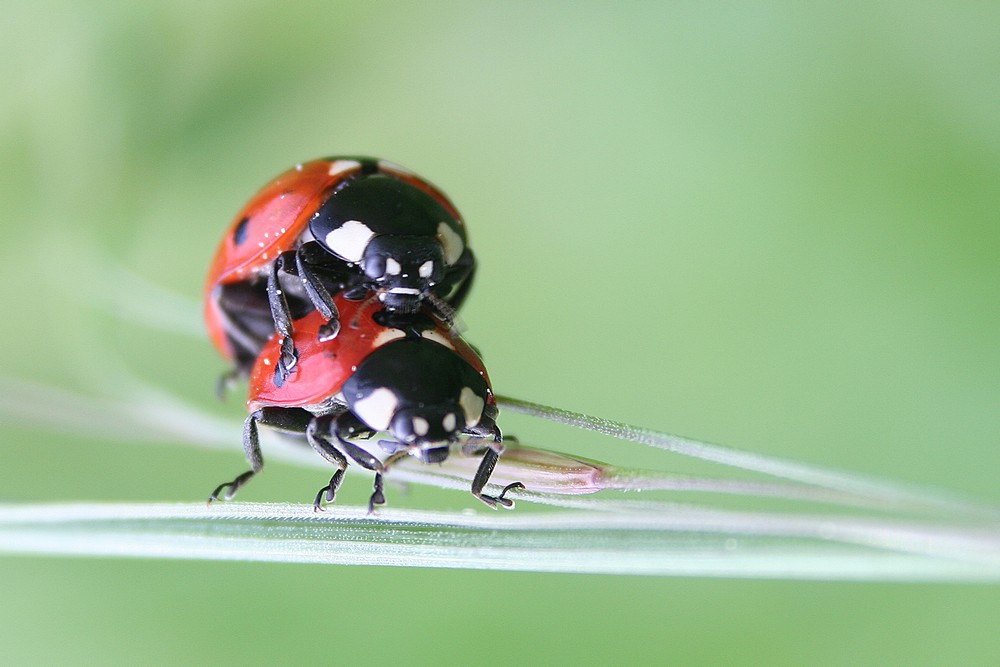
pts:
pixel 378 498
pixel 330 491
pixel 487 426
pixel 282 316
pixel 348 425
pixel 463 271
pixel 317 292
pixel 289 420
pixel 226 381
pixel 486 466
pixel 356 292
pixel 315 434
pixel 445 311
pixel 251 447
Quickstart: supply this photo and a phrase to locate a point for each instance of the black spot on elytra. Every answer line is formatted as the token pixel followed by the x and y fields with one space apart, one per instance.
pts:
pixel 240 233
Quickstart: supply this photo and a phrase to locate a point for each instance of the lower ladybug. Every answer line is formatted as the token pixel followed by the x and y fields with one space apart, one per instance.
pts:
pixel 357 225
pixel 409 375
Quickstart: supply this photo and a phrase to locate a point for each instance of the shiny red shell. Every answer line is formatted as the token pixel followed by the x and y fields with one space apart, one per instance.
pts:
pixel 324 366
pixel 274 221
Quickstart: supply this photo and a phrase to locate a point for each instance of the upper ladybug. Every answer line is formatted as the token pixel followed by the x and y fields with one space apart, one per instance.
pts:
pixel 345 224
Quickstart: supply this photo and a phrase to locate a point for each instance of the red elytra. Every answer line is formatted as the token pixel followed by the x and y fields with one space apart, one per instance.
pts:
pixel 275 220
pixel 324 366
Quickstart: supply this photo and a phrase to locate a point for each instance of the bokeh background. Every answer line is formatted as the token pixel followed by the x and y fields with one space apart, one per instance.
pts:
pixel 774 227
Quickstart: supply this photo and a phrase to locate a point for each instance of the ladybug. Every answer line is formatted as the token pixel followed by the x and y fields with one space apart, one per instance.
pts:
pixel 356 225
pixel 408 374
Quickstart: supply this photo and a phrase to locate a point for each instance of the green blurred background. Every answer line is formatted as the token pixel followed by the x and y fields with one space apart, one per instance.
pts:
pixel 773 227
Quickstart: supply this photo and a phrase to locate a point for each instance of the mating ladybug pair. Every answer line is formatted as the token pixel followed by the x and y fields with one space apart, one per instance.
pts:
pixel 334 291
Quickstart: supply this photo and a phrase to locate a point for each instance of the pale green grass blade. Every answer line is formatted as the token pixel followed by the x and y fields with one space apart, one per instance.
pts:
pixel 891 493
pixel 684 542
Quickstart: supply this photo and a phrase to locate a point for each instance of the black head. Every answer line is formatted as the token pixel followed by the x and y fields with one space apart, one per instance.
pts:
pixel 421 391
pixel 439 423
pixel 402 238
pixel 403 269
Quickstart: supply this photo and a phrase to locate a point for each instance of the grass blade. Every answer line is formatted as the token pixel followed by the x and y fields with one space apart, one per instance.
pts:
pixel 682 543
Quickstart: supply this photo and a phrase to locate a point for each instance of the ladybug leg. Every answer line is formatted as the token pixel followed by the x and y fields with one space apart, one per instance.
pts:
pixel 447 306
pixel 290 420
pixel 347 425
pixel 251 447
pixel 489 462
pixel 282 323
pixel 225 382
pixel 378 497
pixel 487 427
pixel 356 292
pixel 462 270
pixel 306 257
pixel 325 448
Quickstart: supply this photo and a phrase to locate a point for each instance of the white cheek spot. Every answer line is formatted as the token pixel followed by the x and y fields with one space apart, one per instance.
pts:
pixel 472 405
pixel 350 240
pixel 376 409
pixel 392 267
pixel 451 242
pixel 426 269
pixel 421 426
pixel 437 337
pixel 449 422
pixel 338 167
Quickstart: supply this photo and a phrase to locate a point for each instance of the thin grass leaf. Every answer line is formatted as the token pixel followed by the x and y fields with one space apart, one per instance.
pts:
pixel 893 494
pixel 682 543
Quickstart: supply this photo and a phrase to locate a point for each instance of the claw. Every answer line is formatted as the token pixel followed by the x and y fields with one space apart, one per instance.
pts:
pixel 287 361
pixel 230 487
pixel 328 492
pixel 378 498
pixel 501 500
pixel 329 330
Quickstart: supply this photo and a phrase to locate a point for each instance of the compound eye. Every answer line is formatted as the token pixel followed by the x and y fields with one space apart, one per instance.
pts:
pixel 375 267
pixel 404 428
pixel 392 267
